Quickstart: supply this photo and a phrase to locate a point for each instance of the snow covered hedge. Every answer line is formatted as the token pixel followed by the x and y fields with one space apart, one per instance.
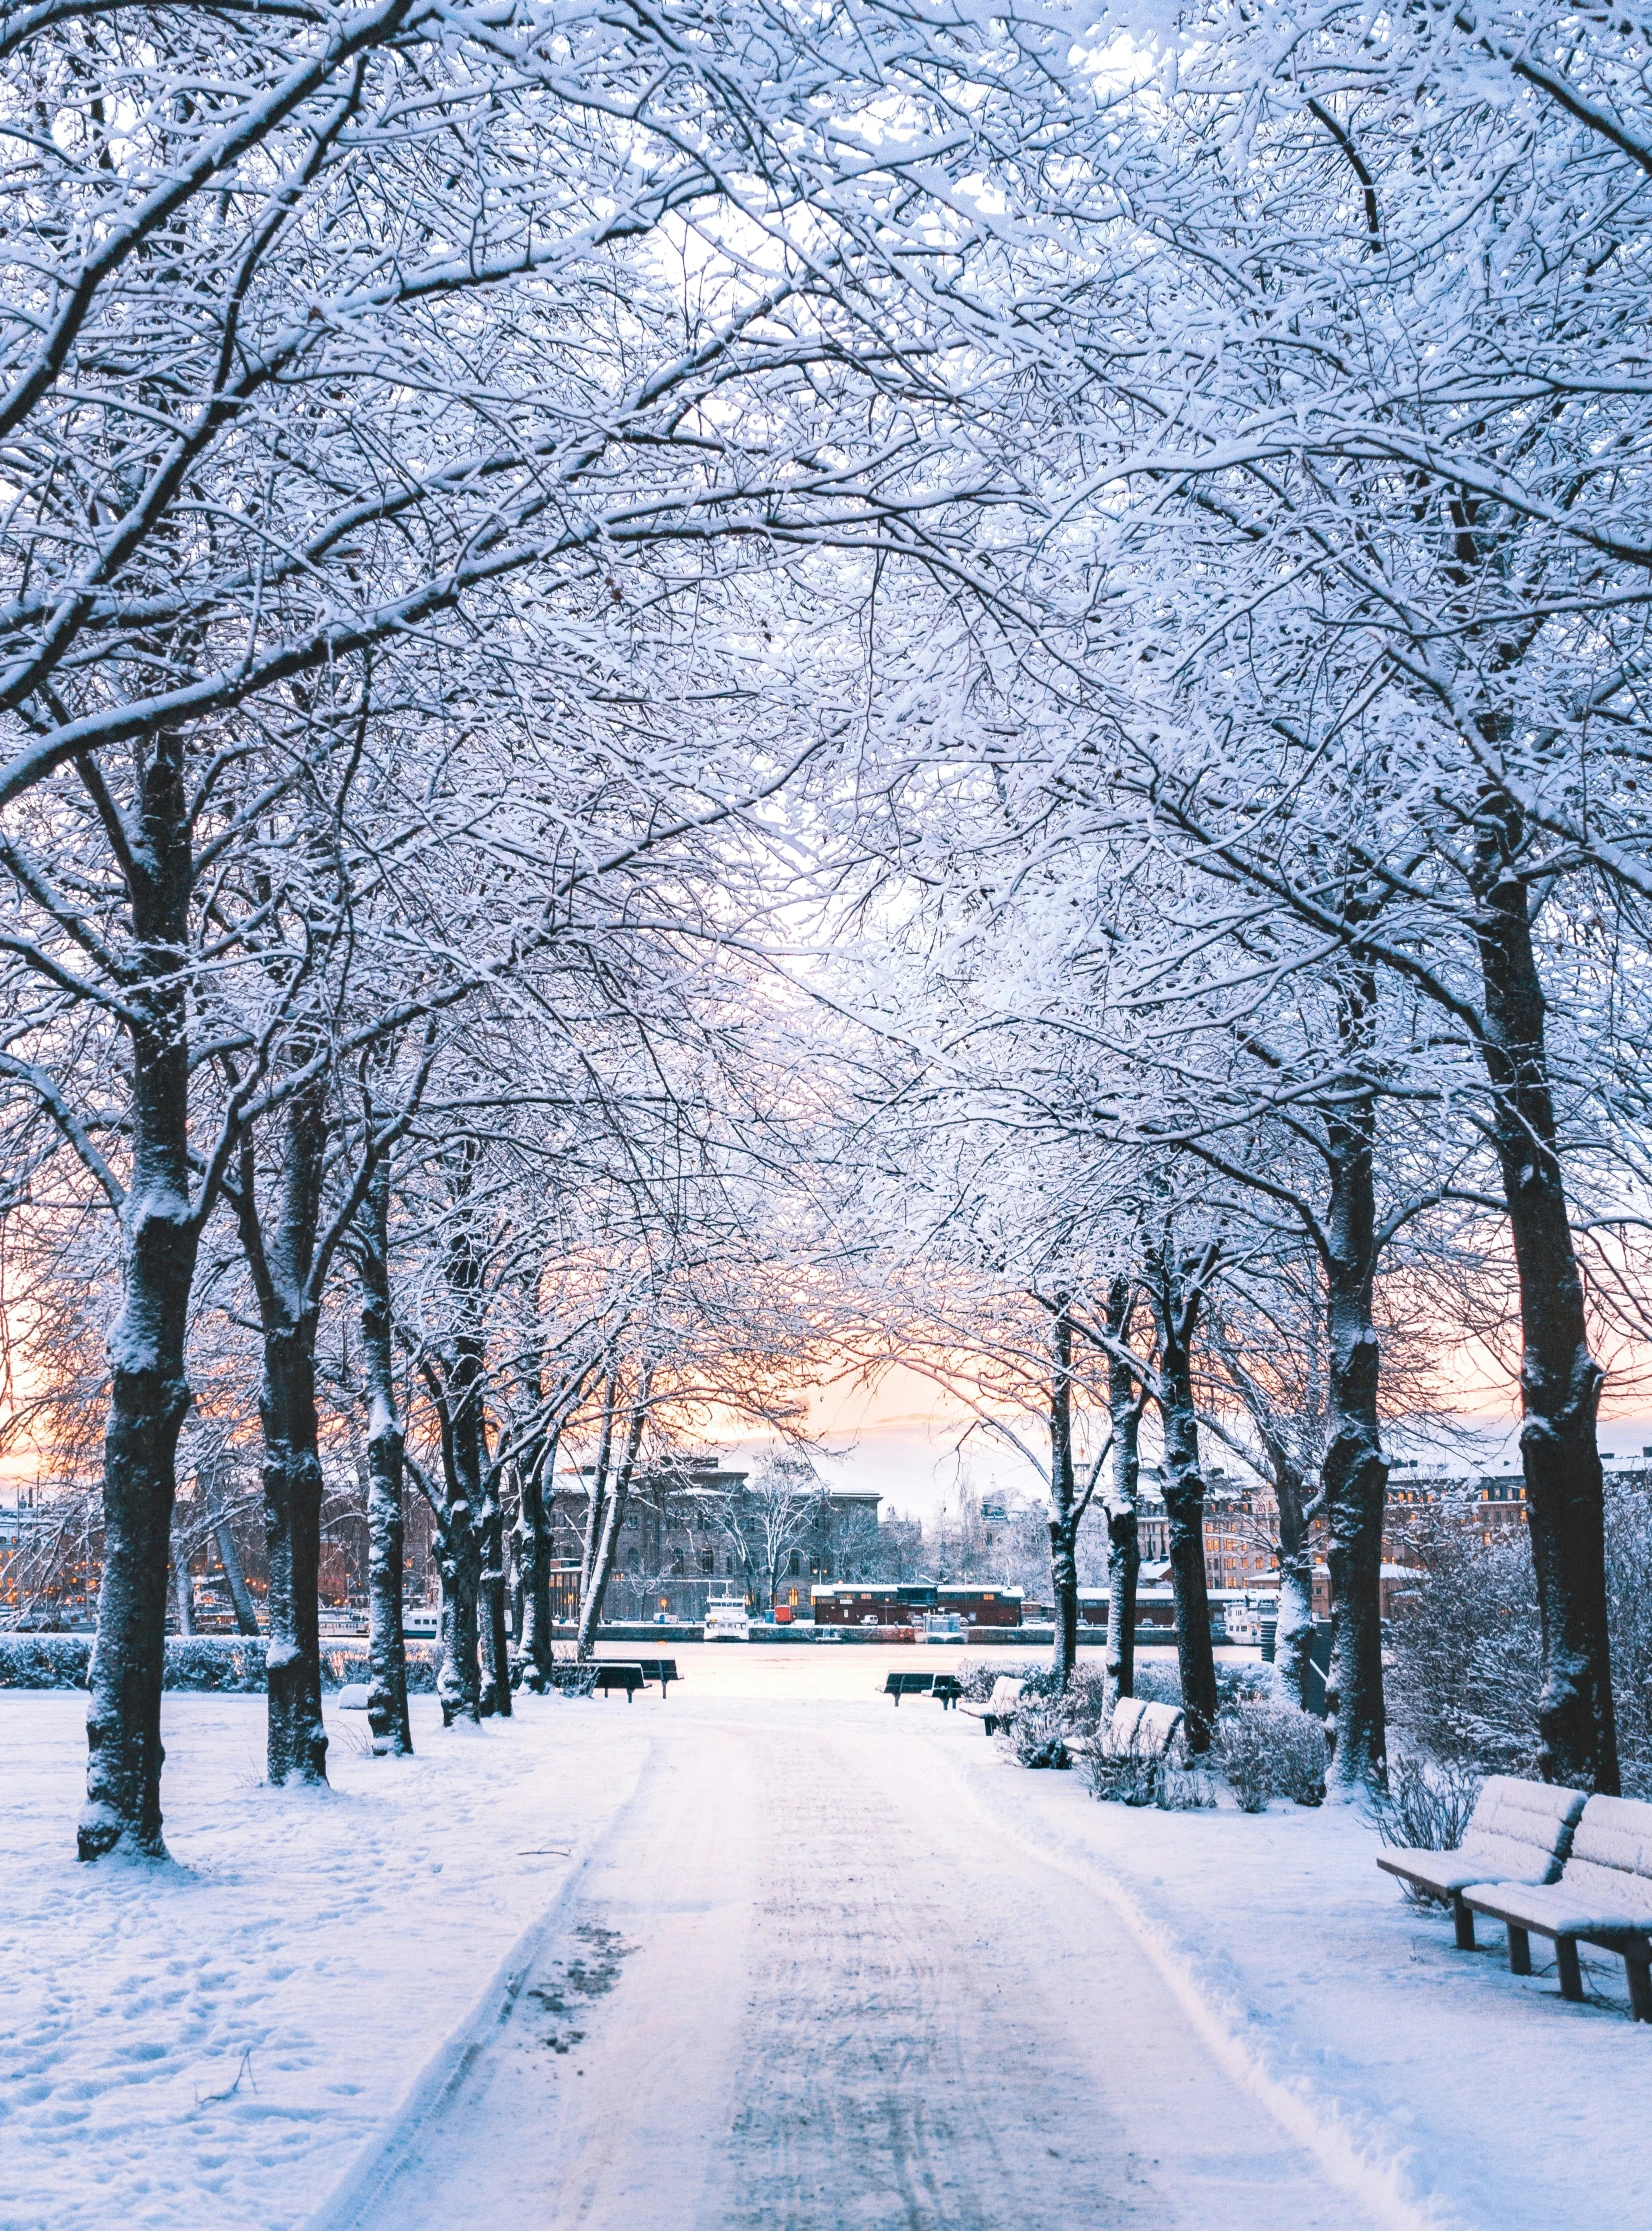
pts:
pixel 1466 1657
pixel 231 1663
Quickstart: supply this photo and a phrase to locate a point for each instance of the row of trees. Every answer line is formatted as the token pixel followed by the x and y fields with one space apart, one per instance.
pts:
pixel 652 658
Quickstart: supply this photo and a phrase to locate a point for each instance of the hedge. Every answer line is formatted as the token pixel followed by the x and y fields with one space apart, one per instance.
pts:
pixel 232 1664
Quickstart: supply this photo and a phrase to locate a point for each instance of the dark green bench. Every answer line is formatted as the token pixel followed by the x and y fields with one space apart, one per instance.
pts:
pixel 662 1670
pixel 947 1691
pixel 626 1677
pixel 898 1685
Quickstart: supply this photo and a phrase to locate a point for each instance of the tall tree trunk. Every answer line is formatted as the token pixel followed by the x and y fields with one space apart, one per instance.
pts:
pixel 149 1394
pixel 229 1556
pixel 1294 1634
pixel 458 1676
pixel 1063 1494
pixel 282 1268
pixel 297 1738
pixel 1354 1475
pixel 1560 1381
pixel 1184 1501
pixel 1123 1530
pixel 598 1489
pixel 459 1683
pixel 183 1589
pixel 534 1554
pixel 387 1713
pixel 493 1633
pixel 590 1609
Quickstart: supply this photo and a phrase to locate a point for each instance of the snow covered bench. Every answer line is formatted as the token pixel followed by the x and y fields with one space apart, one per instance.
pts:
pixel 1138 1729
pixel 999 1709
pixel 1603 1896
pixel 1519 1832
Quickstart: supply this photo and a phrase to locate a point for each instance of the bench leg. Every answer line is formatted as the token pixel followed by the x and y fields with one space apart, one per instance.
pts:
pixel 1640 1988
pixel 1571 1975
pixel 1463 1921
pixel 1520 1951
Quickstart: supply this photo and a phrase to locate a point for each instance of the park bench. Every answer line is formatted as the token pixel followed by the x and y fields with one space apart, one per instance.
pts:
pixel 1137 1729
pixel 1602 1896
pixel 626 1677
pixel 947 1691
pixel 999 1709
pixel 898 1685
pixel 662 1670
pixel 1518 1832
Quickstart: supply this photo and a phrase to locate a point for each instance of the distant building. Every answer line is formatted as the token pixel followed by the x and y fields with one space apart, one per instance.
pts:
pixel 695 1527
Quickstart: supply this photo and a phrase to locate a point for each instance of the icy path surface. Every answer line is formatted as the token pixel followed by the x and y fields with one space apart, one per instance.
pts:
pixel 804 1982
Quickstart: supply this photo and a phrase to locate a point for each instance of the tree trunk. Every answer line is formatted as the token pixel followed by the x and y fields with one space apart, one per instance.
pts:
pixel 534 1556
pixel 458 1677
pixel 297 1739
pixel 183 1590
pixel 493 1633
pixel 149 1394
pixel 1123 1532
pixel 235 1577
pixel 1294 1634
pixel 387 1713
pixel 459 1683
pixel 282 1270
pixel 1063 1495
pixel 602 1564
pixel 590 1610
pixel 1354 1474
pixel 1560 1381
pixel 1184 1503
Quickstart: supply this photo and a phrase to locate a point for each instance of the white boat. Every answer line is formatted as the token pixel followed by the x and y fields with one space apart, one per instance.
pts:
pixel 727 1619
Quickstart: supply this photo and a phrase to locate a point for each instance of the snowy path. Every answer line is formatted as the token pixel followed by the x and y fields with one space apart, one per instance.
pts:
pixel 803 1982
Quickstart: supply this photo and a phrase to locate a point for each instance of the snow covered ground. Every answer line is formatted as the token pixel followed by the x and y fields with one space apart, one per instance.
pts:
pixel 758 1954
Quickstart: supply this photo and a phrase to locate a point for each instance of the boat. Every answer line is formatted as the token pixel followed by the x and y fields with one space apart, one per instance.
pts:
pixel 728 1619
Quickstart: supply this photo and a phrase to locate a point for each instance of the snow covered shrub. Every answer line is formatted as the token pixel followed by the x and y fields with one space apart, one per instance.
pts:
pixel 1270 1750
pixel 1466 1648
pixel 976 1675
pixel 1157 1682
pixel 44 1661
pixel 233 1665
pixel 1629 1613
pixel 1086 1697
pixel 1133 1780
pixel 340 1667
pixel 1426 1807
pixel 1037 1736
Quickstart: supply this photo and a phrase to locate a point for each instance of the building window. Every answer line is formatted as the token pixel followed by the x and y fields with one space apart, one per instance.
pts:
pixel 708 1560
pixel 796 1565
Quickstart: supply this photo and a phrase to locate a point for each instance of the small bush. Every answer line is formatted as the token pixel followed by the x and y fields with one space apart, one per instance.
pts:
pixel 1036 1675
pixel 1037 1736
pixel 1157 1682
pixel 1086 1699
pixel 1270 1750
pixel 1425 1807
pixel 1148 1781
